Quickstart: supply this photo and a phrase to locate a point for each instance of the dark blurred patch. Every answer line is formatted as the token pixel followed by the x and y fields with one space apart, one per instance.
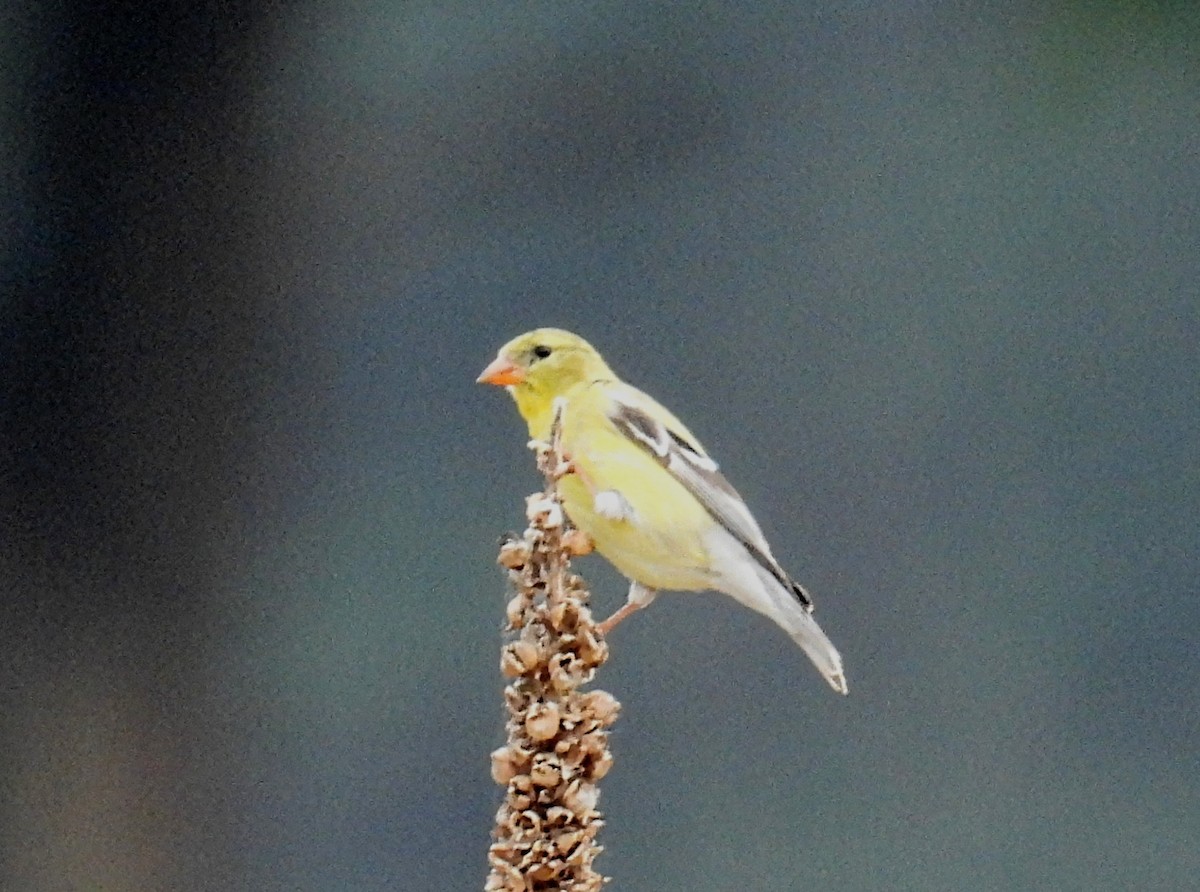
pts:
pixel 132 351
pixel 132 374
pixel 583 121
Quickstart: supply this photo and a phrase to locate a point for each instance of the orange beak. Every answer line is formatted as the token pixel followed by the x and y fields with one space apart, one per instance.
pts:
pixel 502 372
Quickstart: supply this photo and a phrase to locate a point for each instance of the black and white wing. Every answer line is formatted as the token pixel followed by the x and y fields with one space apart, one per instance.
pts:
pixel 637 417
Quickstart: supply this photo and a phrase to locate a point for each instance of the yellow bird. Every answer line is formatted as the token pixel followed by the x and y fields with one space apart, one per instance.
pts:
pixel 645 491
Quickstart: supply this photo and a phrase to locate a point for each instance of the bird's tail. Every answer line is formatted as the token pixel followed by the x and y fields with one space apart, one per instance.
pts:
pixel 804 630
pixel 791 609
pixel 750 575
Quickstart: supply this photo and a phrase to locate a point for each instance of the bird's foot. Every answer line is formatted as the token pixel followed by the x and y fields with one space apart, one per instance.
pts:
pixel 545 452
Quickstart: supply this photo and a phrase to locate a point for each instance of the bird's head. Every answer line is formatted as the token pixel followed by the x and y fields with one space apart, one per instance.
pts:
pixel 547 359
pixel 542 364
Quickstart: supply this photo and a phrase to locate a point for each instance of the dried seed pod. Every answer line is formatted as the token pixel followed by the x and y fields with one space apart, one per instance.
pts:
pixel 531 821
pixel 542 721
pixel 541 872
pixel 577 543
pixel 514 554
pixel 545 771
pixel 572 756
pixel 544 511
pixel 564 615
pixel 566 672
pixel 504 765
pixel 602 764
pixel 591 743
pixel 515 611
pixel 567 840
pixel 591 649
pixel 522 783
pixel 601 706
pixel 516 698
pixel 510 665
pixel 525 656
pixel 522 756
pixel 581 797
pixel 546 828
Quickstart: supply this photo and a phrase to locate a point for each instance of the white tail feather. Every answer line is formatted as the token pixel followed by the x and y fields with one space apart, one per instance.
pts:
pixel 744 579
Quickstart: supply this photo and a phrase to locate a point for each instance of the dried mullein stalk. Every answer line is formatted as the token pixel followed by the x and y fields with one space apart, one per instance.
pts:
pixel 557 749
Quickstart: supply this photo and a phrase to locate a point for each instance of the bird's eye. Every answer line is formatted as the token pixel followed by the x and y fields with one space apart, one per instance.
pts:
pixel 541 351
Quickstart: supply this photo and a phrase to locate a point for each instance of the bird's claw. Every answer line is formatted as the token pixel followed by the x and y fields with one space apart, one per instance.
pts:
pixel 546 452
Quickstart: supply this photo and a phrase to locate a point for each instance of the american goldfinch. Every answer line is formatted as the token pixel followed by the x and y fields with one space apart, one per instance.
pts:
pixel 646 492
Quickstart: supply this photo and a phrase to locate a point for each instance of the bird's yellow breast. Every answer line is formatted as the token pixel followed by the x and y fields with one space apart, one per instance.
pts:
pixel 661 541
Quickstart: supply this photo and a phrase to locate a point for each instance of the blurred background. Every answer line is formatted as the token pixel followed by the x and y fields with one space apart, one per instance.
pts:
pixel 923 276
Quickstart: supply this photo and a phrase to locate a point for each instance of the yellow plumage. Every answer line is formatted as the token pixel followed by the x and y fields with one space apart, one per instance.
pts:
pixel 662 549
pixel 646 492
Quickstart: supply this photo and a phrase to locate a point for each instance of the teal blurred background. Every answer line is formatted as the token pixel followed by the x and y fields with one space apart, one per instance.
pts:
pixel 923 276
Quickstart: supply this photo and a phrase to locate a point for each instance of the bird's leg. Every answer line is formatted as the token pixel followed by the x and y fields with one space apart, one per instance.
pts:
pixel 639 596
